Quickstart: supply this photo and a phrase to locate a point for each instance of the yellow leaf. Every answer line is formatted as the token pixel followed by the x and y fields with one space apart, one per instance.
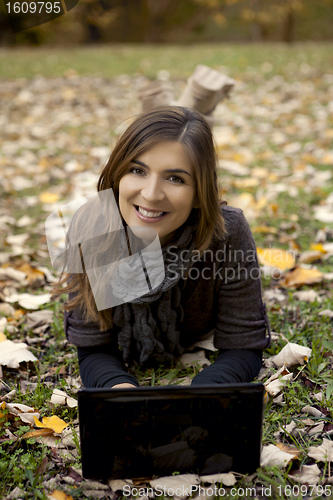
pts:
pixel 18 314
pixel 317 247
pixel 59 495
pixel 48 197
pixel 55 423
pixel 2 337
pixel 329 133
pixel 274 207
pixel 264 229
pixel 3 416
pixel 276 257
pixel 301 276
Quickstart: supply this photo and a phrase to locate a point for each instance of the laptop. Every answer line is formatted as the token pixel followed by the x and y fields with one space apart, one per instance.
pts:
pixel 157 431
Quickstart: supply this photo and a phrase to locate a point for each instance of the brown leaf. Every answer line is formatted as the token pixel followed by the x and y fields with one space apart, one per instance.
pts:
pixel 42 466
pixel 289 449
pixel 300 276
pixel 34 276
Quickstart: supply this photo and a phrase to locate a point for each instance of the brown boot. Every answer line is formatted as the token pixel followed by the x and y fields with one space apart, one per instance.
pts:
pixel 156 94
pixel 205 89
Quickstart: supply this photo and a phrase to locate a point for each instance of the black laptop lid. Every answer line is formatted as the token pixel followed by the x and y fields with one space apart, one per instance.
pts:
pixel 148 431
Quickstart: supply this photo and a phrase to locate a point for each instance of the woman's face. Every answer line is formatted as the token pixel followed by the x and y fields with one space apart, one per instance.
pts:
pixel 158 190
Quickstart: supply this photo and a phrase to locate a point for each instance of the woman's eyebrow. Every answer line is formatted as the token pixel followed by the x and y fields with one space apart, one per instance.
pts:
pixel 168 170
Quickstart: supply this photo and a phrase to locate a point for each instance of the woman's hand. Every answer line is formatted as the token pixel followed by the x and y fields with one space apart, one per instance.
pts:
pixel 125 385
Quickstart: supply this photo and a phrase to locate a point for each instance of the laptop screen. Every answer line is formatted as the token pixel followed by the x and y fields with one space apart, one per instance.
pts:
pixel 156 431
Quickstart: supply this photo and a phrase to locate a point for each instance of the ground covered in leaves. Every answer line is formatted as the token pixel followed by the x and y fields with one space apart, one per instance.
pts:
pixel 274 138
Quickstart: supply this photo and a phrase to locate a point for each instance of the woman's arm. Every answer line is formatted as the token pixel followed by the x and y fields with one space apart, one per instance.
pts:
pixel 100 367
pixel 237 365
pixel 100 360
pixel 241 319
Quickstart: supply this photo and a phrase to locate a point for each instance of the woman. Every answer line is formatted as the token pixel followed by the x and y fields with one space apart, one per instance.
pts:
pixel 163 174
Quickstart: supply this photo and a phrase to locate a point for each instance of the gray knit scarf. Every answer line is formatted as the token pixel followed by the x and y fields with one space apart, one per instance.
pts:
pixel 148 325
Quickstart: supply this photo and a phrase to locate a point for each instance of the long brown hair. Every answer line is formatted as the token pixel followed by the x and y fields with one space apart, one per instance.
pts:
pixel 173 124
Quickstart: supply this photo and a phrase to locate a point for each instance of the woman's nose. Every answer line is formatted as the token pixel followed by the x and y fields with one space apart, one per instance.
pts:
pixel 152 190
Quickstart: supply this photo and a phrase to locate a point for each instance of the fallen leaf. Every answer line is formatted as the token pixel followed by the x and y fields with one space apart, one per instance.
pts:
pixel 195 358
pixel 328 276
pixel 67 437
pixel 273 295
pixel 55 423
pixel 24 412
pixel 264 229
pixel 310 256
pixel 326 312
pixel 308 296
pixel 278 380
pixel 277 385
pixel 228 479
pixel 276 257
pixel 323 213
pixel 310 410
pixel 50 440
pixel 48 197
pixel 9 273
pixel 291 354
pixel 38 318
pixel 289 449
pixel 317 247
pixel 12 354
pixel 25 220
pixel 289 428
pixel 307 474
pixel 59 495
pixel 272 455
pixel 183 482
pixel 3 326
pixel 322 453
pixel 61 398
pixel 33 275
pixel 7 309
pixel 37 433
pixel 317 429
pixel 29 301
pixel 301 276
pixel 118 484
pixel 319 396
pixel 207 344
pixel 328 247
pixel 17 239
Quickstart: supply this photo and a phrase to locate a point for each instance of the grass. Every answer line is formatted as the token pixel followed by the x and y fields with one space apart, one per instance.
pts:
pixel 26 463
pixel 113 60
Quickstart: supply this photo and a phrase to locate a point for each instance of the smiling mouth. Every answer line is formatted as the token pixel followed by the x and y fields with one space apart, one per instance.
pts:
pixel 150 214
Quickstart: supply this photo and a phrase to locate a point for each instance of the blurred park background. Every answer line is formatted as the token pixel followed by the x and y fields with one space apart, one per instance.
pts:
pixel 174 21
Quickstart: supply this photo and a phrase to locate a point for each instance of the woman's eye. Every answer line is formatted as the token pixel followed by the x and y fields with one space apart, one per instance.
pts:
pixel 176 179
pixel 136 171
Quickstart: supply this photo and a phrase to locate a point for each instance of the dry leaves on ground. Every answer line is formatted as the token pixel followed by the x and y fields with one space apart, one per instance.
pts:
pixel 273 138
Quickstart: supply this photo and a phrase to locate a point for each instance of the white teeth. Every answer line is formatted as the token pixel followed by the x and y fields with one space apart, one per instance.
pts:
pixel 144 212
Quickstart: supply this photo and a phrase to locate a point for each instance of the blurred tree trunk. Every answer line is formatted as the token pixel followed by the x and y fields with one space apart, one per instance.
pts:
pixel 157 18
pixel 288 34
